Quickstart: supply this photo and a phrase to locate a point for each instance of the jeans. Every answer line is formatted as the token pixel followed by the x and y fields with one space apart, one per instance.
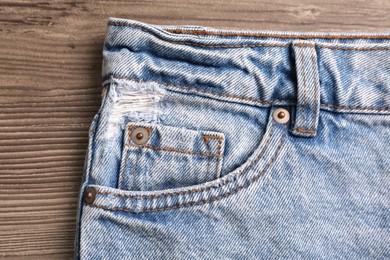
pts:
pixel 236 144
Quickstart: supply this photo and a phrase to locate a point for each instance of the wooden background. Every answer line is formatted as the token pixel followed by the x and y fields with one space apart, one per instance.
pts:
pixel 50 68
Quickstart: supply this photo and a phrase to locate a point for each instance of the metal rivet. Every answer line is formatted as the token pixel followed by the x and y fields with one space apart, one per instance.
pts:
pixel 90 195
pixel 139 135
pixel 281 115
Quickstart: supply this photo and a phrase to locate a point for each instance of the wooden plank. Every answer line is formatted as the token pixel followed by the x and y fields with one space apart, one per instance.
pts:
pixel 50 69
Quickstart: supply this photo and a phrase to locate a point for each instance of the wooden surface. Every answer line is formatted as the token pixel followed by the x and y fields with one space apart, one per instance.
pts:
pixel 50 53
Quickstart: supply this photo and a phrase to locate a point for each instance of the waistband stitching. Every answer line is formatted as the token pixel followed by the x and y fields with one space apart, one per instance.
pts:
pixel 195 32
pixel 199 44
pixel 257 45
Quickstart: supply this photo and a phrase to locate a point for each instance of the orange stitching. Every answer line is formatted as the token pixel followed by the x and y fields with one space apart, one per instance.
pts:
pixel 200 189
pixel 304 44
pixel 184 31
pixel 265 35
pixel 198 32
pixel 172 150
pixel 206 137
pixel 219 145
pixel 205 201
pixel 220 139
pixel 241 97
pixel 304 130
pixel 201 45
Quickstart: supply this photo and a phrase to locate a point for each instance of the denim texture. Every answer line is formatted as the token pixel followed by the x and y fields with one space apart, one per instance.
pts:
pixel 219 176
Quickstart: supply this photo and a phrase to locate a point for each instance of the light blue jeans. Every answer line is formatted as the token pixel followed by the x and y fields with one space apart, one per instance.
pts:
pixel 236 144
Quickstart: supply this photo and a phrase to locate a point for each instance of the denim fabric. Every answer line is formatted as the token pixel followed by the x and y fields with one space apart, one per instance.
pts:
pixel 220 177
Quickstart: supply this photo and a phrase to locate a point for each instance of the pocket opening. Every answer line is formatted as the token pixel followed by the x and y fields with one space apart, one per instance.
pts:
pixel 171 157
pixel 253 169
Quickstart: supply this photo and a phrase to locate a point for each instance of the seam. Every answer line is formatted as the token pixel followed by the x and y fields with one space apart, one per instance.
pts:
pixel 202 90
pixel 355 48
pixel 315 71
pixel 199 44
pixel 241 97
pixel 357 108
pixel 205 140
pixel 198 32
pixel 170 149
pixel 200 189
pixel 304 44
pixel 304 130
pixel 207 137
pixel 209 200
pixel 220 139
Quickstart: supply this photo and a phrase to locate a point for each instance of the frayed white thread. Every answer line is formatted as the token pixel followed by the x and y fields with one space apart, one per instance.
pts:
pixel 134 101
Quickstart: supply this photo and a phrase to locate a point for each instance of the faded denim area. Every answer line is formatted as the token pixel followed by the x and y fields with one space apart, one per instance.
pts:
pixel 218 175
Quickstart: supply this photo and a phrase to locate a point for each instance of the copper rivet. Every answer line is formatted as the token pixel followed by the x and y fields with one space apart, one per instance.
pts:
pixel 139 135
pixel 90 195
pixel 281 115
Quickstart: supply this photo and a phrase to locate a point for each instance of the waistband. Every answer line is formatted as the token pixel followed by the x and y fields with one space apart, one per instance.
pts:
pixel 249 66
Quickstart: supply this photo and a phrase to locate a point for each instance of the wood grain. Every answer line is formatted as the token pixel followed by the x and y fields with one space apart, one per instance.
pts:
pixel 50 53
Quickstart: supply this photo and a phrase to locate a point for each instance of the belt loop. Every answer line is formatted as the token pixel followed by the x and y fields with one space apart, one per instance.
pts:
pixel 308 101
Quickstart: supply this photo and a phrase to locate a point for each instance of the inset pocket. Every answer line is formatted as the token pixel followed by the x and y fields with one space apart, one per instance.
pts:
pixel 159 157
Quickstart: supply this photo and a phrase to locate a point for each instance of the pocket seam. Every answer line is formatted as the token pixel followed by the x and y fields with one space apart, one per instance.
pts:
pixel 245 185
pixel 203 189
pixel 170 149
